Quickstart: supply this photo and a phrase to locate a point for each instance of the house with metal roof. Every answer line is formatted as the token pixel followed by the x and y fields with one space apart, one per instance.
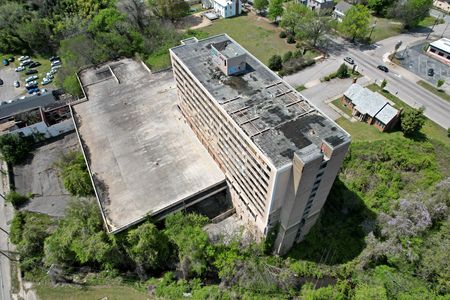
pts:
pixel 318 4
pixel 340 10
pixel 370 107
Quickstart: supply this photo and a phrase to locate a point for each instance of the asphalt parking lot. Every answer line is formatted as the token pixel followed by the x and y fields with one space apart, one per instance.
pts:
pixel 40 176
pixel 7 90
pixel 417 62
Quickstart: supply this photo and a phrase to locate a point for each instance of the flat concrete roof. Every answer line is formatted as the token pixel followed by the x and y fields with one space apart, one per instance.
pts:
pixel 278 119
pixel 143 156
pixel 442 44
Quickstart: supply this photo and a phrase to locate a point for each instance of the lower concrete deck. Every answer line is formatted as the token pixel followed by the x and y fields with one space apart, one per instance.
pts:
pixel 144 158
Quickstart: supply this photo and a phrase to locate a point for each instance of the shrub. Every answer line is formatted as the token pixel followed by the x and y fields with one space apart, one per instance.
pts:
pixel 383 84
pixel 297 54
pixel 16 199
pixel 439 83
pixel 296 64
pixel 283 34
pixel 327 78
pixel 75 175
pixel 448 132
pixel 290 39
pixel 17 225
pixel 15 148
pixel 342 72
pixel 281 73
pixel 275 63
pixel 287 56
pixel 298 45
pixel 412 121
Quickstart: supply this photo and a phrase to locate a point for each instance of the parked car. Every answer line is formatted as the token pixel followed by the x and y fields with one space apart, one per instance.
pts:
pixel 31 83
pixel 32 91
pixel 46 81
pixel 26 62
pixel 11 58
pixel 20 69
pixel 56 67
pixel 34 65
pixel 22 58
pixel 53 58
pixel 53 71
pixel 29 72
pixel 16 84
pixel 349 60
pixel 383 68
pixel 5 62
pixel 31 78
pixel 55 63
pixel 1 82
pixel 43 90
pixel 431 72
pixel 30 87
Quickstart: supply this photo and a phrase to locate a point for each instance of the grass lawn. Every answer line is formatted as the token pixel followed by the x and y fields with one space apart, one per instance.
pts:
pixel 300 88
pixel 385 28
pixel 254 33
pixel 87 293
pixel 429 21
pixel 342 107
pixel 434 90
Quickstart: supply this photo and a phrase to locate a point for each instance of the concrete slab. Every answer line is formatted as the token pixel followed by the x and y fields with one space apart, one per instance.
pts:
pixel 143 156
pixel 40 176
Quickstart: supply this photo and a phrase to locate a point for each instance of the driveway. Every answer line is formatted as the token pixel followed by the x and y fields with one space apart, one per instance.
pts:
pixel 7 90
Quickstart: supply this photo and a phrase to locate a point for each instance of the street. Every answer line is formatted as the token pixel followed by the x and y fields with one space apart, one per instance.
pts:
pixel 6 214
pixel 401 82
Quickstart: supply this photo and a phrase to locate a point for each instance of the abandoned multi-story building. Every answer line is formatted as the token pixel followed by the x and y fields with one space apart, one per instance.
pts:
pixel 280 154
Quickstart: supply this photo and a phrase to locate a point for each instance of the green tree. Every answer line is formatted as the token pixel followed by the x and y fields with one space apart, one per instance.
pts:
pixel 412 121
pixel 260 5
pixel 356 22
pixel 379 7
pixel 292 15
pixel 411 12
pixel 275 63
pixel 72 86
pixel 148 247
pixel 342 71
pixel 75 175
pixel 12 15
pixel 81 239
pixel 383 84
pixel 170 9
pixel 275 9
pixel 287 56
pixel 313 25
pixel 15 148
pixel 439 83
pixel 192 242
pixel 37 27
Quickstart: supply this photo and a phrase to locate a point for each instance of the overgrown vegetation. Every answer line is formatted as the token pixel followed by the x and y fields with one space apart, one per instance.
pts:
pixel 16 199
pixel 15 148
pixel 74 174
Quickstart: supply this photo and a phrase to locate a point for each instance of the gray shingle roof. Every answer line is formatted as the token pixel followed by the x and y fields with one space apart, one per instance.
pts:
pixel 19 105
pixel 368 102
pixel 343 7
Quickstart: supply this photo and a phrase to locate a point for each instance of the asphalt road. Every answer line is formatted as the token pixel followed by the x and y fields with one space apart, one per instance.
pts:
pixel 400 81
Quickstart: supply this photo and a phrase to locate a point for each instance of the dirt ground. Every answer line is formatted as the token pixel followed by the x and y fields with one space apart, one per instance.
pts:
pixel 40 177
pixel 194 21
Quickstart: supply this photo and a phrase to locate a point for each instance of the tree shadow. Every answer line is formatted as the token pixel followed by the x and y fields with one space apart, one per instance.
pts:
pixel 338 236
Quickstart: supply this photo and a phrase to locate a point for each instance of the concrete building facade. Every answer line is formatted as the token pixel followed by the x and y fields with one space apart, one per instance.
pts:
pixel 440 50
pixel 280 155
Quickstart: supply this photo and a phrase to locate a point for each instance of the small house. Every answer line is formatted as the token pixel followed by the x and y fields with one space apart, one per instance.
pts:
pixel 340 10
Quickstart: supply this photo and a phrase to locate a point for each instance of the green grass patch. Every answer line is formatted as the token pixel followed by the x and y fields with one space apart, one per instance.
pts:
pixel 429 21
pixel 15 284
pixel 434 90
pixel 300 88
pixel 342 107
pixel 46 292
pixel 385 28
pixel 255 34
pixel 159 60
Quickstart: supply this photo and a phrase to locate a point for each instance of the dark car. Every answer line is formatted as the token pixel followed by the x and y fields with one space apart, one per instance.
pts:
pixel 1 82
pixel 29 72
pixel 430 72
pixel 53 58
pixel 11 59
pixel 383 68
pixel 349 60
pixel 34 65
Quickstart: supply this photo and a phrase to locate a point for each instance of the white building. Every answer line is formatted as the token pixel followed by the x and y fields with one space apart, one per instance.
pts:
pixel 440 49
pixel 225 8
pixel 340 10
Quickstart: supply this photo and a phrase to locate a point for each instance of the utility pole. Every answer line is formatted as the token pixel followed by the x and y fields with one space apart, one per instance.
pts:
pixel 373 27
pixel 446 26
pixel 4 231
pixel 432 28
